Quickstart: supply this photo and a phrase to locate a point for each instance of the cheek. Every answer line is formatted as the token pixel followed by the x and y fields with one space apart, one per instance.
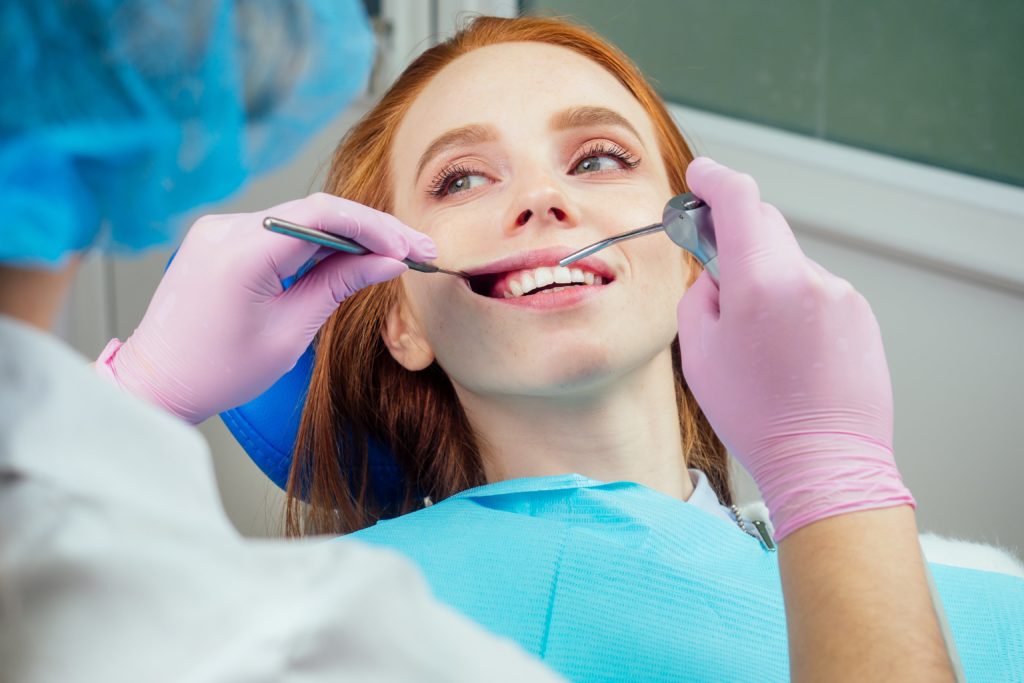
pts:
pixel 430 297
pixel 456 226
pixel 665 270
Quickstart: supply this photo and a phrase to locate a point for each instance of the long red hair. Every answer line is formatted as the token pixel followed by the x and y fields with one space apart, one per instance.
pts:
pixel 358 391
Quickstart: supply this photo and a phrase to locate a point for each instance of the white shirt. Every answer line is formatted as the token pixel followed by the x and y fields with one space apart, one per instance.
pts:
pixel 117 562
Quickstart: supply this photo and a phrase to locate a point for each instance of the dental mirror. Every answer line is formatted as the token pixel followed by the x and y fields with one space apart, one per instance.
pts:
pixel 686 220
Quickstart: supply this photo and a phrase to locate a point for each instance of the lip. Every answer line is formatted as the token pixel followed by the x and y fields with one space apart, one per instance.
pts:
pixel 536 258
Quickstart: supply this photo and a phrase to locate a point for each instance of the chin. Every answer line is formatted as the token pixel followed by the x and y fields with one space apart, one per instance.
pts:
pixel 575 368
pixel 561 364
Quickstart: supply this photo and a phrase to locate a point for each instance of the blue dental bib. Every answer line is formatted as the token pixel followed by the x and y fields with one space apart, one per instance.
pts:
pixel 618 582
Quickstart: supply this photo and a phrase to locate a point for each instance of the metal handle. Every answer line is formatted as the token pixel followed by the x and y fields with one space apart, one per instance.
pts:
pixel 325 239
pixel 598 246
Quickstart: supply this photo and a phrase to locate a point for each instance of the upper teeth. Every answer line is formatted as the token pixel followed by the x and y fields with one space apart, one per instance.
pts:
pixel 525 281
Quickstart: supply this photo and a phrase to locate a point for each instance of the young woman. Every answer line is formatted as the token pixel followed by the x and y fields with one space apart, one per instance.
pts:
pixel 579 493
pixel 523 139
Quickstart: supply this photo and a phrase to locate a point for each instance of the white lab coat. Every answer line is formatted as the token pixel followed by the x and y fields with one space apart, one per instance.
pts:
pixel 117 562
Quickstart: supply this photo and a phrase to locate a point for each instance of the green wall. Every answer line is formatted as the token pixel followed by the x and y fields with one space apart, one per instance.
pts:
pixel 936 81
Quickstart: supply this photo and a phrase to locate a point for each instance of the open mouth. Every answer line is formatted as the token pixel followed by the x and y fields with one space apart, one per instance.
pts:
pixel 534 281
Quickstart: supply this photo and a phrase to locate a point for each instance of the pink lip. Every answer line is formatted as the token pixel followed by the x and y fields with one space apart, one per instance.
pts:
pixel 537 258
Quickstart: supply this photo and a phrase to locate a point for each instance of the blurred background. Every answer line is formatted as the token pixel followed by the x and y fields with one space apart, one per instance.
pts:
pixel 891 135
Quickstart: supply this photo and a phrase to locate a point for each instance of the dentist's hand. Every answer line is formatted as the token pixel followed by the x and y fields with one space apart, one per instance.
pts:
pixel 786 361
pixel 221 329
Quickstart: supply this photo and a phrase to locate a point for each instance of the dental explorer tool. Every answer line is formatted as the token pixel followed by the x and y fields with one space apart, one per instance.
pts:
pixel 686 220
pixel 344 244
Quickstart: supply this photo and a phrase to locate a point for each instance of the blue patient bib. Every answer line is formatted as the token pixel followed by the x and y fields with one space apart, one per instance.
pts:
pixel 619 582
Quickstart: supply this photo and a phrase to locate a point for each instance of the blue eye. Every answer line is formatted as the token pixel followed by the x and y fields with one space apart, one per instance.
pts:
pixel 454 180
pixel 463 183
pixel 597 163
pixel 601 158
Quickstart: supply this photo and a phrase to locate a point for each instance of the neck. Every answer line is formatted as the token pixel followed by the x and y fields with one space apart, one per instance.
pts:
pixel 34 296
pixel 628 431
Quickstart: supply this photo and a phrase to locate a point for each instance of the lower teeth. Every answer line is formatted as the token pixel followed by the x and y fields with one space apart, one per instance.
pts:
pixel 509 295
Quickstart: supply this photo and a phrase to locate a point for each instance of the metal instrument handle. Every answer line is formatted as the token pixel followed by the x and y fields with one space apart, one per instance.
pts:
pixel 325 239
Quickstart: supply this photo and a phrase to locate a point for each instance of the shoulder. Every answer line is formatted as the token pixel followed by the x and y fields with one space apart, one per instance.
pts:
pixel 945 550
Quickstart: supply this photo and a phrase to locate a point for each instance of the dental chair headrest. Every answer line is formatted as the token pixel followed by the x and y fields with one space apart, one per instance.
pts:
pixel 267 427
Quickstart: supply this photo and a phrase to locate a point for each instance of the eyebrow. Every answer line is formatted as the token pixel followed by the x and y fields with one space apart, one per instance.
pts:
pixel 582 117
pixel 567 119
pixel 457 137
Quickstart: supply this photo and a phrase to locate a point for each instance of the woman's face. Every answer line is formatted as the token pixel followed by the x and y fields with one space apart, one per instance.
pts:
pixel 512 157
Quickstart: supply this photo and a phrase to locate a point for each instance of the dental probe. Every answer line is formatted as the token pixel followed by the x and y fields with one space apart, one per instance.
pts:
pixel 325 239
pixel 686 220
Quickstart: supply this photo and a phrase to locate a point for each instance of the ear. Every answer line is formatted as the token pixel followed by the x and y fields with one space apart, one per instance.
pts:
pixel 404 338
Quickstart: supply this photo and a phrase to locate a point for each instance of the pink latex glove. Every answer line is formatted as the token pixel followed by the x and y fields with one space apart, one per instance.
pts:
pixel 786 361
pixel 221 329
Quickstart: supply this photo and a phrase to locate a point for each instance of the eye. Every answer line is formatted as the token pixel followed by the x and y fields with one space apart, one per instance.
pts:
pixel 597 163
pixel 464 182
pixel 602 158
pixel 454 180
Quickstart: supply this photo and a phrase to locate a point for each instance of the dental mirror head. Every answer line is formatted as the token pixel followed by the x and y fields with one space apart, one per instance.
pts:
pixel 688 223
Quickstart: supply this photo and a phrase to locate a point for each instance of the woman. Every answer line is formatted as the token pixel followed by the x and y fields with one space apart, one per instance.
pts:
pixel 430 322
pixel 511 146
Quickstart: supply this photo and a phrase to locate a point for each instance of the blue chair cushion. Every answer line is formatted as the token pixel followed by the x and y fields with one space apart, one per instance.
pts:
pixel 267 427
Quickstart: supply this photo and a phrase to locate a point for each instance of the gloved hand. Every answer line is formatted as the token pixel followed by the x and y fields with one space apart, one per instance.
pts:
pixel 786 361
pixel 221 329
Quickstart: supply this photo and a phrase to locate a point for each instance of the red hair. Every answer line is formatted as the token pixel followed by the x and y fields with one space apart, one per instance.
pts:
pixel 358 391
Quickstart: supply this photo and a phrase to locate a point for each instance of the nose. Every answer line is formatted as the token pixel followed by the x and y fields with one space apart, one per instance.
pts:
pixel 542 204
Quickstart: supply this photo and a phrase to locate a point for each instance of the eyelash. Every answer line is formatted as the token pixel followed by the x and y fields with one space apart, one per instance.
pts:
pixel 598 149
pixel 445 176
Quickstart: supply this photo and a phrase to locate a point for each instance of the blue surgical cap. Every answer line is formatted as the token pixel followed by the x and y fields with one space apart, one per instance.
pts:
pixel 121 117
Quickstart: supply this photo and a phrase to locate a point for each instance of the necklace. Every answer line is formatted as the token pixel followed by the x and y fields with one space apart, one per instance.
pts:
pixel 762 529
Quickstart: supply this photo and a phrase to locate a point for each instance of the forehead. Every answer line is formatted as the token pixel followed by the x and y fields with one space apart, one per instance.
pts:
pixel 513 86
